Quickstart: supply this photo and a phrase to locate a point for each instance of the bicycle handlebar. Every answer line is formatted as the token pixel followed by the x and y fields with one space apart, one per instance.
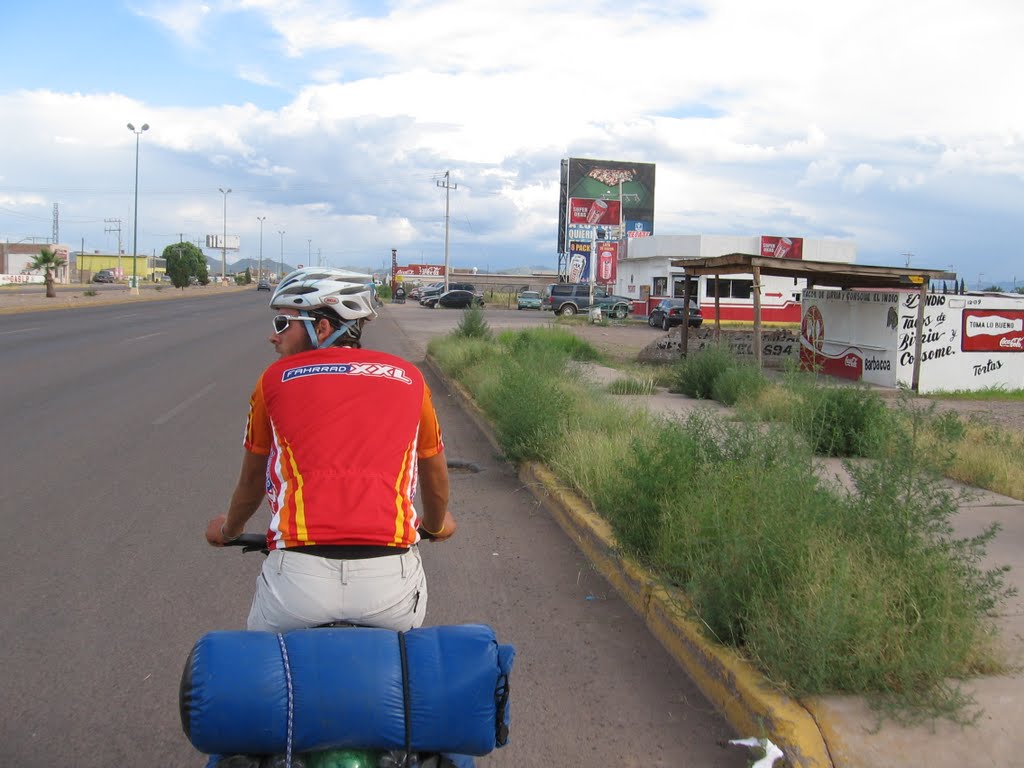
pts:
pixel 257 542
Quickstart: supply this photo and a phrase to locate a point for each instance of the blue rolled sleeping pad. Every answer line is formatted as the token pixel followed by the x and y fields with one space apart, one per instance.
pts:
pixel 433 689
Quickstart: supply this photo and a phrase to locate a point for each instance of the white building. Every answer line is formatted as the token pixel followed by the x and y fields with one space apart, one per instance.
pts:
pixel 645 273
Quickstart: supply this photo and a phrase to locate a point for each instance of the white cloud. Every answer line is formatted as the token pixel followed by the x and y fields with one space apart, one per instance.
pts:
pixel 784 115
pixel 861 178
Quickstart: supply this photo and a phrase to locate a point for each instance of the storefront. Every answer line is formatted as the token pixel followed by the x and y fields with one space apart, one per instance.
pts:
pixel 647 275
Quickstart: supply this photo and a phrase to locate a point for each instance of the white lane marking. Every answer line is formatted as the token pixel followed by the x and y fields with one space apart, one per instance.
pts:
pixel 20 330
pixel 130 314
pixel 183 405
pixel 147 336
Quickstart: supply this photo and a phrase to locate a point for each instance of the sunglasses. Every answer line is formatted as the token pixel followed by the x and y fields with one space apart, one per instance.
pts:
pixel 281 321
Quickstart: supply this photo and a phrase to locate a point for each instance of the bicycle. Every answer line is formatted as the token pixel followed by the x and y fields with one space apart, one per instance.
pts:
pixel 345 696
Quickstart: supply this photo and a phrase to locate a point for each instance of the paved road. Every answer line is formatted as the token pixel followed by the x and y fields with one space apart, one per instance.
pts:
pixel 121 438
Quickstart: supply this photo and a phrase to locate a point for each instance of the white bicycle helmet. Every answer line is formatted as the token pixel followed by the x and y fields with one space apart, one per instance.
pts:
pixel 341 296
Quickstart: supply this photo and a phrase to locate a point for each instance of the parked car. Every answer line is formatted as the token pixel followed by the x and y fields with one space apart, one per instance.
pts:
pixel 105 276
pixel 528 300
pixel 417 292
pixel 669 313
pixel 459 299
pixel 570 298
pixel 263 285
pixel 429 296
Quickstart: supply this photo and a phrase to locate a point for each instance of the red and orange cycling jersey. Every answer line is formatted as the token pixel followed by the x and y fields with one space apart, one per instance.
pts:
pixel 342 429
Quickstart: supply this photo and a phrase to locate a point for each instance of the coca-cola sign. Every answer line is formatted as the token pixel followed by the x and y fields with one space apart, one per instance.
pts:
pixel 992 330
pixel 422 270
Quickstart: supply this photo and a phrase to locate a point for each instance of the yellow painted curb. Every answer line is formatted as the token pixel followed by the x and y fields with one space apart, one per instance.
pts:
pixel 744 697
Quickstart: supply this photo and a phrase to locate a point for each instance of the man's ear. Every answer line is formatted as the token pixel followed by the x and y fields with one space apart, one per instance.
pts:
pixel 323 329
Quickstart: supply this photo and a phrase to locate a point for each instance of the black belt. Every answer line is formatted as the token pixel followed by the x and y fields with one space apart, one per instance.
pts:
pixel 348 551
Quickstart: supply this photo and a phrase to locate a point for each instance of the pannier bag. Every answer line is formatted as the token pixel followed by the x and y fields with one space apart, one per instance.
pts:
pixel 433 689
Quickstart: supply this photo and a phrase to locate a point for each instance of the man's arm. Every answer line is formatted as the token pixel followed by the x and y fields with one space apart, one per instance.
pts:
pixel 246 499
pixel 437 520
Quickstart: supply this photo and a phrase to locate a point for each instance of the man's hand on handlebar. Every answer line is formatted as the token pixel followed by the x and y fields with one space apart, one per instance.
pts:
pixel 215 533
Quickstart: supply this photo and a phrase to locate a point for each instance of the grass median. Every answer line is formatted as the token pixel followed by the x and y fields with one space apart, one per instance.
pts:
pixel 861 590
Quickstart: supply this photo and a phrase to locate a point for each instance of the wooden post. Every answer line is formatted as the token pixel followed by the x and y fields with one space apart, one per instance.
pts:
pixel 718 311
pixel 757 316
pixel 684 332
pixel 919 329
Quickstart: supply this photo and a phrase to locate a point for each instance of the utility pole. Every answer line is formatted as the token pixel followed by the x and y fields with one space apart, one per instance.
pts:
pixel 224 243
pixel 908 257
pixel 261 219
pixel 118 230
pixel 448 187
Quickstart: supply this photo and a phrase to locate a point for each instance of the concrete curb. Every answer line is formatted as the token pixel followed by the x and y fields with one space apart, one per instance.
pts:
pixel 743 695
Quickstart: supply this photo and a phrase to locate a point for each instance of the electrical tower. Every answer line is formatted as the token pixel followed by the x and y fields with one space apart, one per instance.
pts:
pixel 56 223
pixel 118 230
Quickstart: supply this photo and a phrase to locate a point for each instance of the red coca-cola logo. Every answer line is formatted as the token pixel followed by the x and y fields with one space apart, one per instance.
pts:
pixel 1016 342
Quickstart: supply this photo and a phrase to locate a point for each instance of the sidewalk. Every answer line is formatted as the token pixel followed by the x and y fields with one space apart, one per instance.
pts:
pixel 821 732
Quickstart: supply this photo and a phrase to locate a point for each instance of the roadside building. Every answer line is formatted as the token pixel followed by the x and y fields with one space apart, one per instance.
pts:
pixel 16 262
pixel 647 275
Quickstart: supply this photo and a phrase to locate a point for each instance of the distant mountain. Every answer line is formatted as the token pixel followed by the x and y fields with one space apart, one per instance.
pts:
pixel 269 266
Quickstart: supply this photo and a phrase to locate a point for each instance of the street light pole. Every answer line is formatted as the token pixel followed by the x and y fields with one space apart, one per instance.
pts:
pixel 281 233
pixel 309 251
pixel 224 242
pixel 261 219
pixel 135 226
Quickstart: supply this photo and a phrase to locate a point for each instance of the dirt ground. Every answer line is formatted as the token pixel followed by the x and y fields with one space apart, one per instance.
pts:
pixel 625 342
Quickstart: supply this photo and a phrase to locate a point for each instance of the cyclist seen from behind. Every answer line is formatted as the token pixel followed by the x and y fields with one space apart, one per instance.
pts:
pixel 337 439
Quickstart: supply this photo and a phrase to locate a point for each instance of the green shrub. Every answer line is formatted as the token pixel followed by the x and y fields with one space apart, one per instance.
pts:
pixel 695 375
pixel 631 386
pixel 528 403
pixel 554 339
pixel 843 420
pixel 473 325
pixel 742 381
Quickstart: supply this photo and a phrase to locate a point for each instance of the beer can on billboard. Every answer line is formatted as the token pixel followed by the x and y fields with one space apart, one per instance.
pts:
pixel 782 247
pixel 576 266
pixel 597 211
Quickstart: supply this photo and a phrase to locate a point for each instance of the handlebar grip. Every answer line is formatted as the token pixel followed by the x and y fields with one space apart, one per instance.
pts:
pixel 249 542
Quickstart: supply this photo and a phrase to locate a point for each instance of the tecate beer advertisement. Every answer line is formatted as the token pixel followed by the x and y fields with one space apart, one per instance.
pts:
pixel 612 181
pixel 579 262
pixel 583 210
pixel 606 262
pixel 782 247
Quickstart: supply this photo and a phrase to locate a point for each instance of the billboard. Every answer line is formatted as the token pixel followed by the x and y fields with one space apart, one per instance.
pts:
pixel 782 247
pixel 587 186
pixel 227 243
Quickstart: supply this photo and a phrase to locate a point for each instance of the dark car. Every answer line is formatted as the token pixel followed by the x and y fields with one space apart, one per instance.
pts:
pixel 263 285
pixel 104 276
pixel 417 292
pixel 570 298
pixel 671 312
pixel 430 296
pixel 459 299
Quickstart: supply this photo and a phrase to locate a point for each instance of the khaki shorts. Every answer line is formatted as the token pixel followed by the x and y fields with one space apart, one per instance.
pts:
pixel 295 590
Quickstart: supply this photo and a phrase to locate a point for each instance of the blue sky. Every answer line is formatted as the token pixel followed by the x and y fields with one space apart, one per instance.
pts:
pixel 896 125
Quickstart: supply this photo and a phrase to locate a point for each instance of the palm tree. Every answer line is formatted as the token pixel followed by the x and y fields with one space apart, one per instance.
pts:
pixel 49 261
